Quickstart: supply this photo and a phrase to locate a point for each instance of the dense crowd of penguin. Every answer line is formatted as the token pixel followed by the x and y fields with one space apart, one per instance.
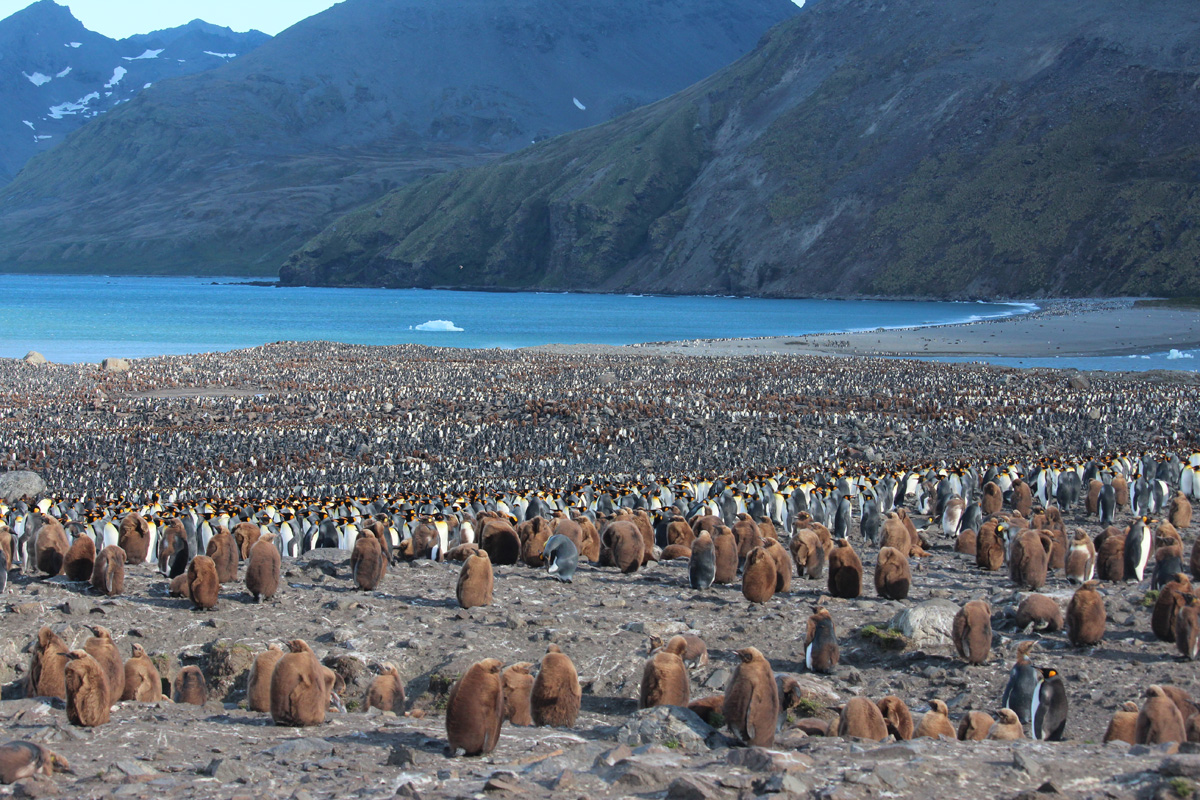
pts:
pixel 765 528
pixel 246 461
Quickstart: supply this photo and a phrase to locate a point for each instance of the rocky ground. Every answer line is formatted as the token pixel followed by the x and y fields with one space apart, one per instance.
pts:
pixel 602 621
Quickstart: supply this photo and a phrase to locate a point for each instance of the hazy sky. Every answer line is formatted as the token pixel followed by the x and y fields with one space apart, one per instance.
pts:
pixel 121 18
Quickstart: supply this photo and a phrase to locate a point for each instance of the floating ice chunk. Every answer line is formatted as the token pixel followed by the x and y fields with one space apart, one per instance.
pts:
pixel 579 105
pixel 64 73
pixel 73 44
pixel 148 85
pixel 40 138
pixel 438 325
pixel 118 74
pixel 145 55
pixel 30 124
pixel 37 78
pixel 220 55
pixel 1177 354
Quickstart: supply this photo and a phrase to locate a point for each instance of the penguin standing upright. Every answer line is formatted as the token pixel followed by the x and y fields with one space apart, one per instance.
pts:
pixel 820 643
pixel 1022 684
pixel 1138 545
pixel 1048 709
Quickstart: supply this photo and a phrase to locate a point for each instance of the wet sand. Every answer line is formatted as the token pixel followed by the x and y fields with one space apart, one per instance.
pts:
pixel 1072 328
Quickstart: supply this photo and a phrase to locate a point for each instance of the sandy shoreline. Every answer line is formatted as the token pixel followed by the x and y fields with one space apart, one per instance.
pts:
pixel 1059 328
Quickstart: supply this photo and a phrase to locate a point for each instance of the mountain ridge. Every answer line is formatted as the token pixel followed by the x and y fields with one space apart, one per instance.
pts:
pixel 963 149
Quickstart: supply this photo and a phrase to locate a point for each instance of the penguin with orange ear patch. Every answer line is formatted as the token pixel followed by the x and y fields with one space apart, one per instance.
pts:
pixel 897 717
pixel 1123 725
pixel 518 686
pixel 972 632
pixel 1086 616
pixel 556 695
pixel 845 571
pixel 935 723
pixel 475 710
pixel 860 719
pixel 665 679
pixel 820 643
pixel 1048 715
pixel 87 690
pixel 751 706
pixel 974 726
pixel 1159 720
pixel 758 578
pixel 893 576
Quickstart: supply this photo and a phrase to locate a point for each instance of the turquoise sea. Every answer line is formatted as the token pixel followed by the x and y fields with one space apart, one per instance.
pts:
pixel 71 318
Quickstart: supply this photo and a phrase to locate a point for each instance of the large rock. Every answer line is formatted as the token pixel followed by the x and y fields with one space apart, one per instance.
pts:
pixel 15 485
pixel 929 623
pixel 34 357
pixel 114 365
pixel 671 725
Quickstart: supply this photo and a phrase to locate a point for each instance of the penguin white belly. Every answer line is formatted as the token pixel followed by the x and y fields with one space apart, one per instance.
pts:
pixel 808 657
pixel 111 535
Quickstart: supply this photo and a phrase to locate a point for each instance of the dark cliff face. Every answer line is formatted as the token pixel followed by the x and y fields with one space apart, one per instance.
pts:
pixel 232 169
pixel 55 75
pixel 909 148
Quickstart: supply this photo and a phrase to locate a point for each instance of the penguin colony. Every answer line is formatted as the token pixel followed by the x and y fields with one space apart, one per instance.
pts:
pixel 852 507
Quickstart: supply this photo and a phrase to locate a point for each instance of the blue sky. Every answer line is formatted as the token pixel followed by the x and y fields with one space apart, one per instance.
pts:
pixel 121 18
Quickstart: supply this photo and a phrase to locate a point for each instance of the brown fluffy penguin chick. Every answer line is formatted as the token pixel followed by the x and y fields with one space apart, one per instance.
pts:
pixel 758 578
pixel 675 551
pixel 965 542
pixel 80 559
pixel 1181 699
pixel 725 556
pixel 1110 555
pixel 861 719
pixel 367 563
pixel 143 684
pixel 989 545
pixel 1123 725
pixel 936 722
pixel 101 647
pixel 1081 559
pixel 974 726
pixel 1159 720
pixel 245 535
pixel 892 574
pixel 1187 628
pixel 808 553
pixel 1085 616
pixel 262 571
pixel 972 632
pixel 710 709
pixel 222 549
pixel 133 537
pixel 300 687
pixel 751 706
pixel 992 500
pixel 19 760
pixel 1007 727
pixel 628 545
pixel 1038 612
pixel 1191 727
pixel 87 690
pixel 665 677
pixel 556 694
pixel 50 547
pixel 1166 607
pixel 204 587
pixel 386 691
pixel 696 654
pixel 190 687
pixel 258 684
pixel 475 581
pixel 179 586
pixel 46 666
pixel 475 711
pixel 518 687
pixel 108 571
pixel 845 571
pixel 1028 561
pixel 1179 512
pixel 897 717
pixel 783 565
pixel 820 643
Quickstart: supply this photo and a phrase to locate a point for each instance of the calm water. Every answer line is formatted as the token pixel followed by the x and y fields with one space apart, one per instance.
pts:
pixel 88 318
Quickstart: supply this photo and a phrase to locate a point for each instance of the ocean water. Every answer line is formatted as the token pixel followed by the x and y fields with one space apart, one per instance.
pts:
pixel 71 318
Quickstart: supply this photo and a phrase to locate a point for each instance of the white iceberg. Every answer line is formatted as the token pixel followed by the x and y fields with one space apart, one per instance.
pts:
pixel 64 73
pixel 1176 354
pixel 579 105
pixel 37 78
pixel 438 325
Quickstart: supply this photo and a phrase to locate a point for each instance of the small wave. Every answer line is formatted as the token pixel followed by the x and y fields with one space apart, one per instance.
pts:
pixel 438 325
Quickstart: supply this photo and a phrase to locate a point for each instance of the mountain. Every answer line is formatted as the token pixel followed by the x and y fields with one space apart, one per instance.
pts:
pixel 931 148
pixel 55 74
pixel 230 170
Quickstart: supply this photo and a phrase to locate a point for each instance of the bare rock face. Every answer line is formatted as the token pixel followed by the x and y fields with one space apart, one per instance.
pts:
pixel 15 485
pixel 667 724
pixel 114 365
pixel 928 624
